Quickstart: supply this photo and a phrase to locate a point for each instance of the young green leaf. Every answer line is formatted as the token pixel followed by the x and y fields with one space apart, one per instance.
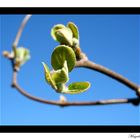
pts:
pixel 77 87
pixel 27 55
pixel 74 29
pixel 64 36
pixel 55 28
pixel 48 77
pixel 60 54
pixel 22 55
pixel 61 76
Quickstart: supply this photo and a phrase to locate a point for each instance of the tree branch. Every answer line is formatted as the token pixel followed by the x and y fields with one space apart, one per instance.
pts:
pixel 134 101
pixel 93 66
pixel 25 20
pixel 81 63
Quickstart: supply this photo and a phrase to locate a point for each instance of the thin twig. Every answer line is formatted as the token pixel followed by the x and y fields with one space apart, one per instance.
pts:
pixel 25 20
pixel 90 65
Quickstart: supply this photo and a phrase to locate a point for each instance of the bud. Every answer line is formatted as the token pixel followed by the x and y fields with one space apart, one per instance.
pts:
pixel 62 99
pixel 75 42
pixel 22 55
pixel 6 53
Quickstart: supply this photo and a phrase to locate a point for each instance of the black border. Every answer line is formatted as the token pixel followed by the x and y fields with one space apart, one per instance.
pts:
pixel 70 10
pixel 70 129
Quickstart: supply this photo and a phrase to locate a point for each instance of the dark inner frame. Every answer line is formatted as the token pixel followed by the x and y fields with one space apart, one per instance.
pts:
pixel 70 10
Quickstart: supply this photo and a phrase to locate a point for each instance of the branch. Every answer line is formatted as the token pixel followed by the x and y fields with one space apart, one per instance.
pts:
pixel 25 20
pixel 134 101
pixel 93 66
pixel 82 63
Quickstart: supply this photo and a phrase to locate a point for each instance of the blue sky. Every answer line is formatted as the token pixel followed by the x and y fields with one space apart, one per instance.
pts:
pixel 110 40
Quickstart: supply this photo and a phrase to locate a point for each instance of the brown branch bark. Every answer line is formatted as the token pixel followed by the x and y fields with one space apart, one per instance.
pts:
pixel 19 33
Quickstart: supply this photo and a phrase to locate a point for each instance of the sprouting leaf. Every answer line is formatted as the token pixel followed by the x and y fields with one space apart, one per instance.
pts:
pixel 63 60
pixel 64 36
pixel 55 28
pixel 48 76
pixel 61 76
pixel 60 54
pixel 74 29
pixel 27 56
pixel 77 87
pixel 22 55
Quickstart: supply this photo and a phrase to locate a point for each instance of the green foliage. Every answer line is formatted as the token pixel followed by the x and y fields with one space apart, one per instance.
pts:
pixel 21 55
pixel 62 34
pixel 78 87
pixel 55 28
pixel 63 59
pixel 61 76
pixel 67 35
pixel 60 54
pixel 74 29
pixel 58 79
pixel 48 76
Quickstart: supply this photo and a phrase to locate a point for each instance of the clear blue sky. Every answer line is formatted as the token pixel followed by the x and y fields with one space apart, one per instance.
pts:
pixel 110 40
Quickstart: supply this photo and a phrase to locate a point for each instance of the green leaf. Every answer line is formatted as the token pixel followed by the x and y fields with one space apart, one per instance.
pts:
pixel 74 29
pixel 22 55
pixel 61 76
pixel 26 55
pixel 48 77
pixel 60 54
pixel 77 87
pixel 64 36
pixel 55 28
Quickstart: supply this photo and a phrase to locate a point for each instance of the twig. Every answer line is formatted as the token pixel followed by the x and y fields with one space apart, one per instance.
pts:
pixel 93 66
pixel 134 101
pixel 25 20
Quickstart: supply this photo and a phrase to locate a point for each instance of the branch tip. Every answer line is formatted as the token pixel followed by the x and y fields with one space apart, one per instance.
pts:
pixel 6 54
